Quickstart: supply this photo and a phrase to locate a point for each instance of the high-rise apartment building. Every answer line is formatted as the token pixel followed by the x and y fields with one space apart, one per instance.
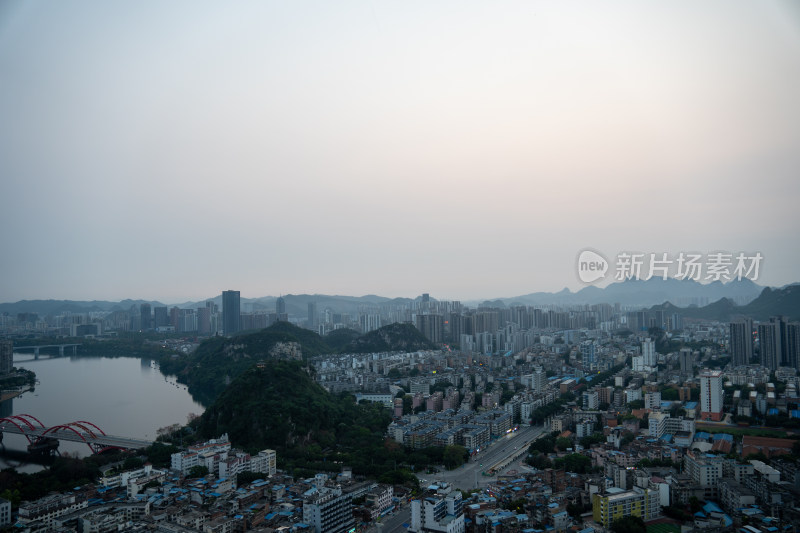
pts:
pixel 779 343
pixel 204 320
pixel 686 360
pixel 649 352
pixel 6 357
pixel 769 342
pixel 161 317
pixel 231 312
pixel 711 395
pixel 146 316
pixel 741 342
pixel 313 316
pixel 327 510
pixel 792 344
pixel 432 326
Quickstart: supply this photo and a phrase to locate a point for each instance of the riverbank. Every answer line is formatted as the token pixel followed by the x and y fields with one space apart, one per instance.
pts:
pixel 7 395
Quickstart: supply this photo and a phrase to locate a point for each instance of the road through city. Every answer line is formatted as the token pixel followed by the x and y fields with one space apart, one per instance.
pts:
pixel 470 475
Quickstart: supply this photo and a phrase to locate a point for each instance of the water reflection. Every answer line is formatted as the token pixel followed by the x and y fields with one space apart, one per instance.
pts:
pixel 122 396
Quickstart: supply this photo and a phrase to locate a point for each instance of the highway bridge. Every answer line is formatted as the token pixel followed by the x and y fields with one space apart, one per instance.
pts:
pixel 60 347
pixel 43 439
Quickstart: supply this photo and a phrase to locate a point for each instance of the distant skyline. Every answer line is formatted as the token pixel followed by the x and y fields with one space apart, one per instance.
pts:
pixel 170 151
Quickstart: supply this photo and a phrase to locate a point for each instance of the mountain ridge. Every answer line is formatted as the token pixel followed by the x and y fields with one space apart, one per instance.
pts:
pixel 642 293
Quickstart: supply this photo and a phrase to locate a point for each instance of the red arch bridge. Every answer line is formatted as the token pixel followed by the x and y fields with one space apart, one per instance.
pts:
pixel 43 439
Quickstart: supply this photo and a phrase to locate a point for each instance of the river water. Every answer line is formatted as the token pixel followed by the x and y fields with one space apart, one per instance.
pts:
pixel 123 396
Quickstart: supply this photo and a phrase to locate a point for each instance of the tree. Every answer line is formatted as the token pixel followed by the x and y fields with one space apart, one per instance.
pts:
pixel 539 461
pixel 562 443
pixel 454 456
pixel 695 505
pixel 669 394
pixel 242 478
pixel 132 463
pixel 543 444
pixel 594 438
pixel 408 402
pixel 518 505
pixel 629 524
pixel 478 401
pixel 575 510
pixel 574 462
pixel 198 471
pixel 12 495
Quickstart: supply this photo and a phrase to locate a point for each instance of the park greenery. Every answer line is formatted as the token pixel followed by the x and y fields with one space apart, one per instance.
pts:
pixel 279 406
pixel 629 524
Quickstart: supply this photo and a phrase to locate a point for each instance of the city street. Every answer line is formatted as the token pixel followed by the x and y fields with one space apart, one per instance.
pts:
pixel 394 523
pixel 470 475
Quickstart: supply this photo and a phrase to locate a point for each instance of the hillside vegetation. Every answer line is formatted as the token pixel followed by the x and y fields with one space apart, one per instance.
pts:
pixel 394 337
pixel 278 405
pixel 218 361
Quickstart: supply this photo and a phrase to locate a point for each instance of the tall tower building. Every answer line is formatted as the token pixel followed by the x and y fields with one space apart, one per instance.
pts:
pixel 741 342
pixel 793 343
pixel 313 316
pixel 280 306
pixel 161 316
pixel 783 353
pixel 432 326
pixel 711 395
pixel 146 315
pixel 686 360
pixel 6 357
pixel 649 352
pixel 769 341
pixel 204 320
pixel 231 312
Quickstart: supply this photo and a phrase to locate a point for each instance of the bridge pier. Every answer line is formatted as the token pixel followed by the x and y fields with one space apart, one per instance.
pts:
pixel 44 446
pixel 36 352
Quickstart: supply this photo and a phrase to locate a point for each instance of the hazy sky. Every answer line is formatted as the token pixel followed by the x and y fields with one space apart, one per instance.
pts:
pixel 171 150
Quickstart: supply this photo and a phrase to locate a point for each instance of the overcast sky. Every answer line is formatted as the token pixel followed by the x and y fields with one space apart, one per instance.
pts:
pixel 171 150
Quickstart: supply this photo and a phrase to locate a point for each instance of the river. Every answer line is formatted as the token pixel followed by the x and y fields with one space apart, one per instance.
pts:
pixel 123 396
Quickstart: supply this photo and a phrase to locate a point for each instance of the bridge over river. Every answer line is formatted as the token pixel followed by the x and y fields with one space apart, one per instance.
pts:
pixel 42 439
pixel 61 348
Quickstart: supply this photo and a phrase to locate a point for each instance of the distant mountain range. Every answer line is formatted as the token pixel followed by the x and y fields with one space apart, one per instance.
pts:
pixel 57 307
pixel 641 293
pixel 737 295
pixel 770 302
